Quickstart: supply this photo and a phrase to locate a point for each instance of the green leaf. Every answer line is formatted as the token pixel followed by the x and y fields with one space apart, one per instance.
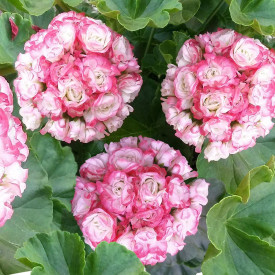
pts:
pixel 8 264
pixel 155 62
pixel 232 170
pixel 58 165
pixel 253 178
pixel 33 7
pixel 7 6
pixel 9 49
pixel 207 9
pixel 244 238
pixel 135 15
pixel 113 259
pixel 207 12
pixel 44 20
pixel 258 14
pixel 189 9
pixel 56 253
pixel 72 3
pixel 64 219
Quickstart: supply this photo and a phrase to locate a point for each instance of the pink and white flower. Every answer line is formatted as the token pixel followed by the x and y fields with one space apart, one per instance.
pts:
pixel 77 76
pixel 222 90
pixel 135 195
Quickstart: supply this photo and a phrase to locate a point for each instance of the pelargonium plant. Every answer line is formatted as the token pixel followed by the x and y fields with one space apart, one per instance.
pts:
pixel 222 89
pixel 135 194
pixel 79 75
pixel 13 151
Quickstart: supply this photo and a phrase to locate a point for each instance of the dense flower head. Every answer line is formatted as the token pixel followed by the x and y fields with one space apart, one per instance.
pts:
pixel 13 151
pixel 135 194
pixel 222 89
pixel 79 75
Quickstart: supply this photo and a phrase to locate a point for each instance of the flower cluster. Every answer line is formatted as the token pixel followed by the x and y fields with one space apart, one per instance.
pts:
pixel 135 195
pixel 223 90
pixel 80 75
pixel 13 151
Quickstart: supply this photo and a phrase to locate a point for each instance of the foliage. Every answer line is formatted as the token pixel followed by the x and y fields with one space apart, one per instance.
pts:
pixel 257 14
pixel 62 252
pixel 135 15
pixel 243 243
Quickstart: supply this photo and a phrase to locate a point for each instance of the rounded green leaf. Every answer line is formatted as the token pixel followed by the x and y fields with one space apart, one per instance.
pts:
pixel 58 164
pixel 189 9
pixel 53 254
pixel 258 14
pixel 135 15
pixel 113 259
pixel 8 264
pixel 72 3
pixel 33 7
pixel 243 242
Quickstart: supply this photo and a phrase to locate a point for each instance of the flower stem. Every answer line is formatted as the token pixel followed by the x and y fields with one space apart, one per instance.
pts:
pixel 149 41
pixel 62 5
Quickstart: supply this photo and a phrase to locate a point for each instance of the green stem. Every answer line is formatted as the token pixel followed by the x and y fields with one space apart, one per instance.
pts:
pixel 212 15
pixel 149 41
pixel 63 6
pixel 7 70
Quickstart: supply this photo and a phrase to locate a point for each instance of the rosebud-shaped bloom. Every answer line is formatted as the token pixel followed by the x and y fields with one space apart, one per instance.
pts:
pixel 264 75
pixel 129 85
pixel 106 106
pixel 199 192
pixel 185 83
pixel 216 71
pixel 146 247
pixel 217 150
pixel 28 84
pixel 85 197
pixel 31 116
pixel 98 226
pixel 151 188
pixel 95 167
pixel 126 159
pixel 222 40
pixel 248 53
pixel 186 222
pixel 77 76
pixel 217 129
pixel 122 52
pixel 127 239
pixel 94 35
pixel 189 53
pixel 135 195
pixel 117 194
pixel 214 103
pixel 99 72
pixel 179 193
